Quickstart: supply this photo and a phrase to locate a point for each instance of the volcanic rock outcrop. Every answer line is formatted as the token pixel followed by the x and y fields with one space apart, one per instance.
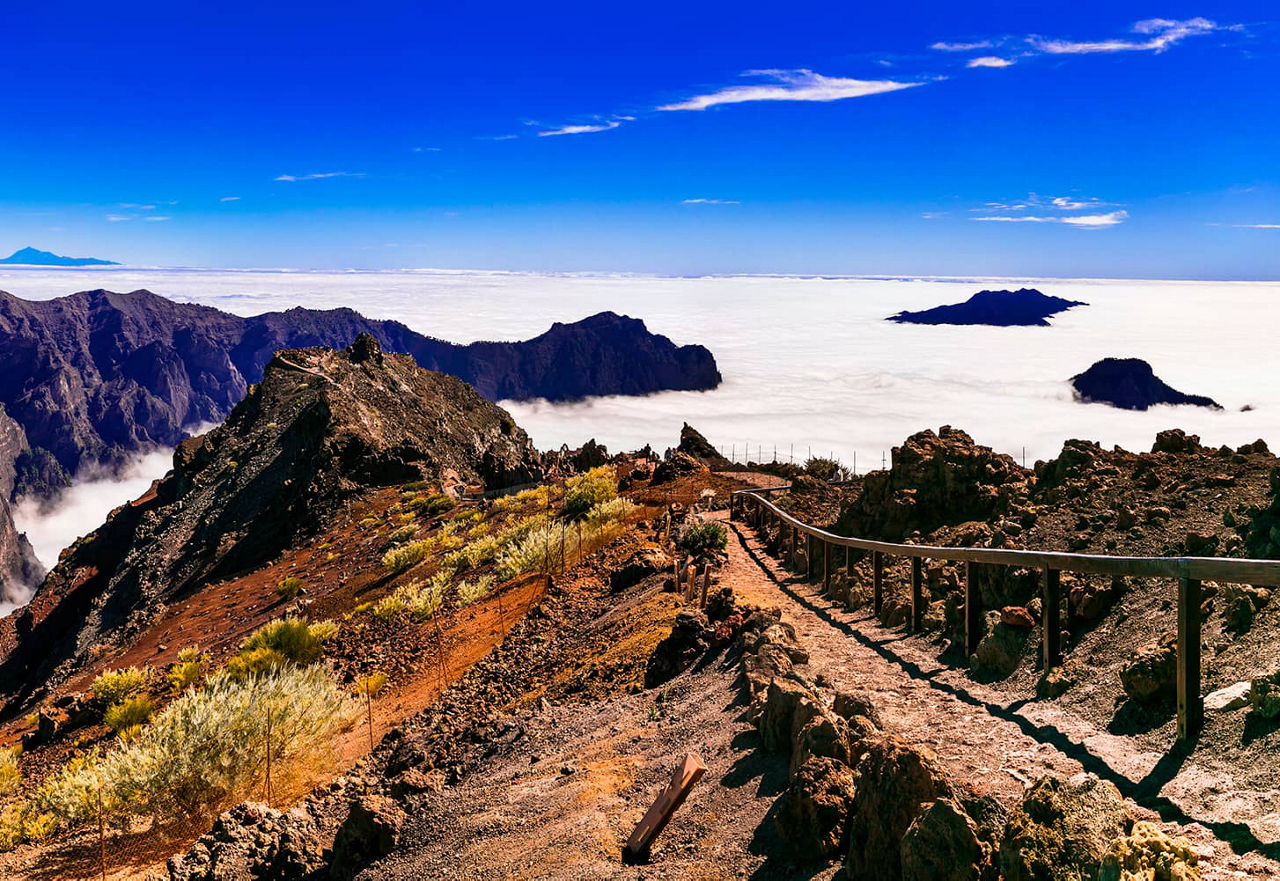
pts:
pixel 1025 307
pixel 1130 384
pixel 321 428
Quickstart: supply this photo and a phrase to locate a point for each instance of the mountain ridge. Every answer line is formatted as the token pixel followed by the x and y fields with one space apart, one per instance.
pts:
pixel 29 256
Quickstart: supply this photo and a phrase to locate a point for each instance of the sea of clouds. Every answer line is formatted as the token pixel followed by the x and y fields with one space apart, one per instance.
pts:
pixel 809 364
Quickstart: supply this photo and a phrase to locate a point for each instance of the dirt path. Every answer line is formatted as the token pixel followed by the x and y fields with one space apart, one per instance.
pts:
pixel 975 732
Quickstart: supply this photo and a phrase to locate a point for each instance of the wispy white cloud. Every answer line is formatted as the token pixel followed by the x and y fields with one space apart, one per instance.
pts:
pixel 933 215
pixel 229 199
pixel 962 47
pixel 989 61
pixel 587 128
pixel 790 85
pixel 136 207
pixel 119 218
pixel 496 137
pixel 1153 35
pixel 710 202
pixel 292 178
pixel 1256 225
pixel 156 218
pixel 1084 221
pixel 426 149
pixel 1056 203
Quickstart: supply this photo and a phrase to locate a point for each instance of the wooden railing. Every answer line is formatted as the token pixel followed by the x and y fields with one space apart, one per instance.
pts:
pixel 753 507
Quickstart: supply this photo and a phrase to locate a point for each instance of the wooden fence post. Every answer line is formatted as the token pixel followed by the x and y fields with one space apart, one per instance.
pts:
pixel 972 609
pixel 917 595
pixel 826 568
pixel 1190 703
pixel 794 563
pixel 877 581
pixel 706 585
pixel 1050 618
pixel 808 556
pixel 848 566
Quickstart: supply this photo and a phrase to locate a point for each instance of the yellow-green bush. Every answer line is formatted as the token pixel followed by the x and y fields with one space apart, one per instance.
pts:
pixel 470 591
pixel 10 771
pixel 205 749
pixel 188 670
pixel 136 710
pixel 404 533
pixel 582 492
pixel 388 607
pixel 405 557
pixel 290 587
pixel 115 686
pixel 279 643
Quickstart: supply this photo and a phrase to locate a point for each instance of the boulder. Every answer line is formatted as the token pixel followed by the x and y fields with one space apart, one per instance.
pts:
pixel 1233 697
pixel 249 842
pixel 1000 650
pixel 1147 854
pixel 1152 674
pixel 894 783
pixel 1062 830
pixel 692 443
pixel 812 814
pixel 1017 617
pixel 369 833
pixel 677 464
pixel 690 637
pixel 821 734
pixel 788 705
pixel 942 844
pixel 644 562
pixel 1264 696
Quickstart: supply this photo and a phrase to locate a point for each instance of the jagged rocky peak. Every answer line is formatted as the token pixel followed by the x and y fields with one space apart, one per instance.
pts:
pixel 693 443
pixel 322 427
pixel 1025 307
pixel 1130 384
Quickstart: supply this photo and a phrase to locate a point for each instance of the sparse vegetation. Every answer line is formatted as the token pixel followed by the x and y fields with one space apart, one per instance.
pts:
pixel 116 686
pixel 10 771
pixel 403 534
pixel 279 643
pixel 132 712
pixel 388 607
pixel 290 587
pixel 190 669
pixel 471 591
pixel 405 557
pixel 203 751
pixel 703 539
pixel 582 492
pixel 825 468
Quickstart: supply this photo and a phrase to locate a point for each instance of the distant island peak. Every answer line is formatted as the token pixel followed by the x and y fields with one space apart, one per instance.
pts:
pixel 35 257
pixel 1025 307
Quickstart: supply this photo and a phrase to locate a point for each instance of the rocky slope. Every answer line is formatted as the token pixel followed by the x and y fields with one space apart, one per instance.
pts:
pixel 19 568
pixel 1131 384
pixel 321 428
pixel 1025 307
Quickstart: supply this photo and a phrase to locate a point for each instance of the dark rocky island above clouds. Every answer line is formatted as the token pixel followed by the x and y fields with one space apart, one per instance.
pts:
pixel 1130 384
pixel 36 257
pixel 1025 307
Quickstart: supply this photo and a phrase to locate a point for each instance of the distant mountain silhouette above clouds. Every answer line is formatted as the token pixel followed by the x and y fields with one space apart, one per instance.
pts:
pixel 36 257
pixel 1025 307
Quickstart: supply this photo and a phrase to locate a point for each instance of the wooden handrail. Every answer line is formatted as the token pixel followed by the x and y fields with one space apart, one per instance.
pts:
pixel 1188 572
pixel 1229 569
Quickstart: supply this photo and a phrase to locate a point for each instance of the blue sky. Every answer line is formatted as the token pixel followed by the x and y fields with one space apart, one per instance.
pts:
pixel 1116 139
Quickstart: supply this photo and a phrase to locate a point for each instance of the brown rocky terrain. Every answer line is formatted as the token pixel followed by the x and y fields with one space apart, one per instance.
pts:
pixel 321 428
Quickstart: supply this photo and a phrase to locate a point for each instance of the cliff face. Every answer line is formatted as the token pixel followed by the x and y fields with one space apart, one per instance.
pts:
pixel 97 374
pixel 320 429
pixel 18 565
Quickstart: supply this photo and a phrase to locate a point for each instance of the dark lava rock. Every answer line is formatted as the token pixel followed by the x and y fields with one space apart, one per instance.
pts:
pixel 935 480
pixel 676 464
pixel 321 428
pixel 812 814
pixel 943 844
pixel 644 562
pixel 370 832
pixel 1025 307
pixel 692 443
pixel 252 842
pixel 1130 384
pixel 691 635
pixel 1152 673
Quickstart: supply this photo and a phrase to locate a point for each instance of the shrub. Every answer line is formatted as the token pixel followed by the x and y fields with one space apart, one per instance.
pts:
pixel 582 492
pixel 205 749
pixel 116 686
pixel 470 591
pixel 290 587
pixel 424 600
pixel 404 558
pixel 825 468
pixel 388 607
pixel 701 539
pixel 10 771
pixel 137 710
pixel 435 503
pixel 371 685
pixel 279 643
pixel 188 670
pixel 404 533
